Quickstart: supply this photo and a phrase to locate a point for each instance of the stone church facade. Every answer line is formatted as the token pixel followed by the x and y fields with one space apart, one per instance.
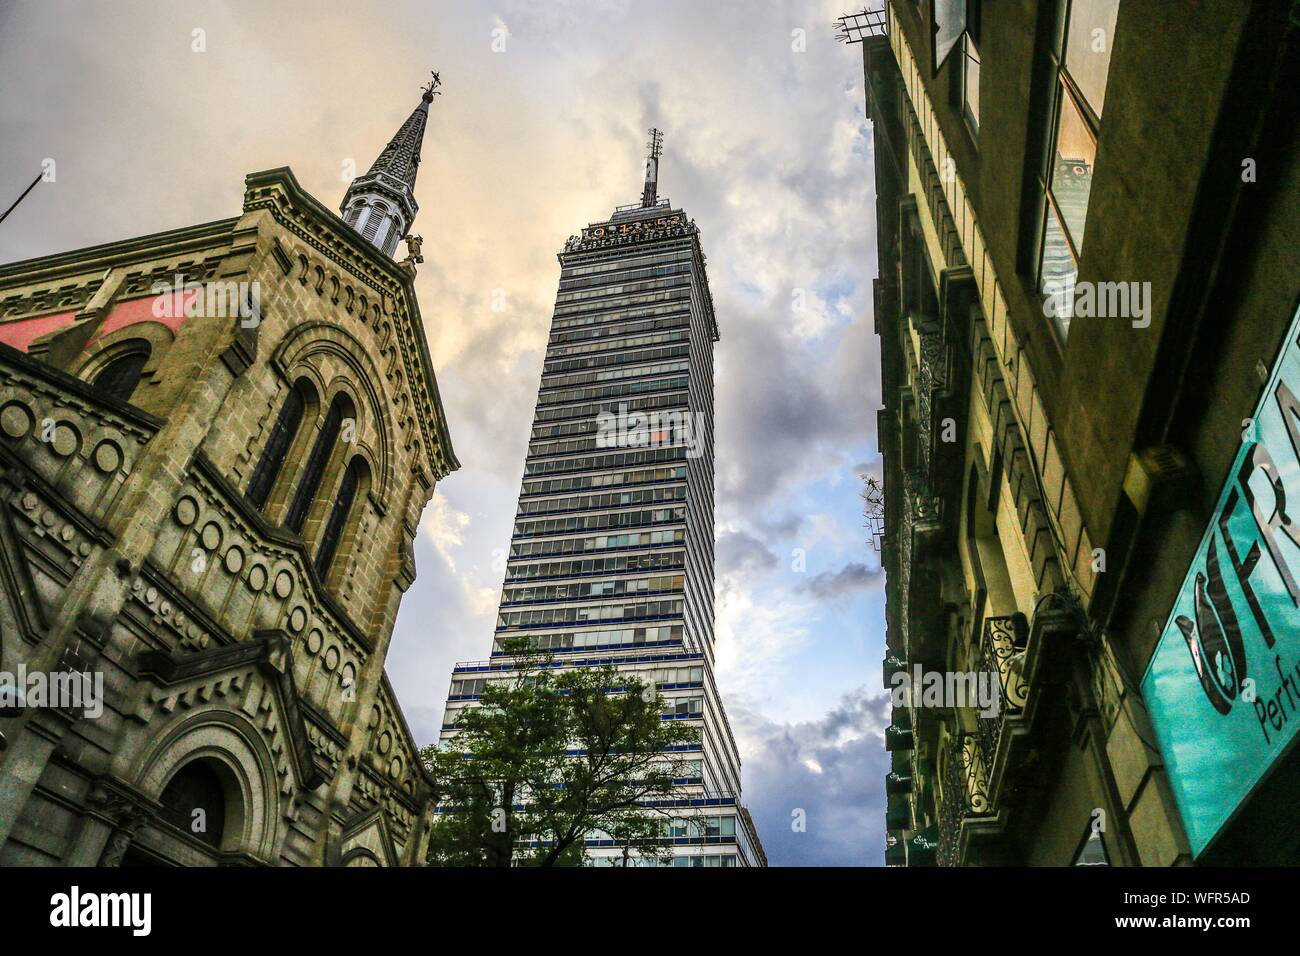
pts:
pixel 215 447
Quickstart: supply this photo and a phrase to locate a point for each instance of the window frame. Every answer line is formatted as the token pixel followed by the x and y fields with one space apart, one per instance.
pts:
pixel 1063 85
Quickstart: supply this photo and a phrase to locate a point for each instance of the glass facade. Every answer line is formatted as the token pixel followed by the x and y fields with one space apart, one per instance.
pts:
pixel 612 549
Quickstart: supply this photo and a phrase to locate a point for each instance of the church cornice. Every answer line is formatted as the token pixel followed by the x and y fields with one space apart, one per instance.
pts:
pixel 217 235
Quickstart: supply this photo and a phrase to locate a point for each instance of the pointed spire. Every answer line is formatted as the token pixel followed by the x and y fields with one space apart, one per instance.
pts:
pixel 381 204
pixel 650 195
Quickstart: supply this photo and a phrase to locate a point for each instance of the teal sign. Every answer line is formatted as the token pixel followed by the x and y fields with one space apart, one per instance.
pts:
pixel 1223 688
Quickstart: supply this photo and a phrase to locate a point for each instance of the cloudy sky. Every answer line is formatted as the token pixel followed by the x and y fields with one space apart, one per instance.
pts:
pixel 154 112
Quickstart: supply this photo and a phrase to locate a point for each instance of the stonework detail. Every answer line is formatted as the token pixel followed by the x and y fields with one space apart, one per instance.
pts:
pixel 240 658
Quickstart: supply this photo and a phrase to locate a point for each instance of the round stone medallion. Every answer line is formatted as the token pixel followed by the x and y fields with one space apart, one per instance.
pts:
pixel 211 536
pixel 331 658
pixel 257 577
pixel 234 560
pixel 297 619
pixel 107 457
pixel 66 441
pixel 283 584
pixel 16 420
pixel 187 511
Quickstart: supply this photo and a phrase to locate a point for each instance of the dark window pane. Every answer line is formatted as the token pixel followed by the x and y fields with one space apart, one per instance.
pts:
pixel 195 787
pixel 119 378
pixel 277 445
pixel 315 470
pixel 338 517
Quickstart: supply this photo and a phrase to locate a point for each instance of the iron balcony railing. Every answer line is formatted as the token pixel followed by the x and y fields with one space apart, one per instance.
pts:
pixel 965 794
pixel 1002 654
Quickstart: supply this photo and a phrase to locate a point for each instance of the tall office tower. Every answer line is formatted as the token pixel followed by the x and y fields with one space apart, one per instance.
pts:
pixel 611 560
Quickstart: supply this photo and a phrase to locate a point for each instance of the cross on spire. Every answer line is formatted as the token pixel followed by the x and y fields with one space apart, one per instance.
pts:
pixel 430 89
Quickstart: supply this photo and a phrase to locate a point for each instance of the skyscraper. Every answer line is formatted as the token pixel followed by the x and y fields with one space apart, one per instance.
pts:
pixel 611 559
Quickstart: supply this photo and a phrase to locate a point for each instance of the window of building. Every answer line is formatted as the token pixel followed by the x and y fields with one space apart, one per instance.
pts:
pixel 338 519
pixel 119 377
pixel 316 462
pixel 970 83
pixel 277 445
pixel 1092 852
pixel 1081 60
pixel 194 801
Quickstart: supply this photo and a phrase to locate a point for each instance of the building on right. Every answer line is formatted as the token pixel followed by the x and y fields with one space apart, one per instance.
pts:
pixel 1088 229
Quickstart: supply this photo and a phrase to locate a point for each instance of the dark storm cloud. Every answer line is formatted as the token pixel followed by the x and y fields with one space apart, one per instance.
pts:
pixel 853 577
pixel 739 552
pixel 830 773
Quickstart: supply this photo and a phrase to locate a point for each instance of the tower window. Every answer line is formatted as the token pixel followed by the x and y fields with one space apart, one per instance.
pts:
pixel 316 462
pixel 374 220
pixel 338 518
pixel 277 445
pixel 119 377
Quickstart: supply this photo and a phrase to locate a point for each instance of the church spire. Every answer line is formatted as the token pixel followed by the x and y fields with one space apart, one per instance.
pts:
pixel 381 204
pixel 650 195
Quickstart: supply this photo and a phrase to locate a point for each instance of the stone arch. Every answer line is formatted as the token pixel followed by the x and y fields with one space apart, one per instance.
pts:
pixel 244 763
pixel 155 337
pixel 312 338
pixel 342 531
pixel 361 856
pixel 274 474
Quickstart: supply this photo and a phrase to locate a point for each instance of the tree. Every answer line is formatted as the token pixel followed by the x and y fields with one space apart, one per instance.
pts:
pixel 550 756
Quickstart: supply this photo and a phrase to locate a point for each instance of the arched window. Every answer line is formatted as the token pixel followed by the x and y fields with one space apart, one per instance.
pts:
pixel 338 519
pixel 310 481
pixel 195 801
pixel 277 445
pixel 119 377
pixel 354 212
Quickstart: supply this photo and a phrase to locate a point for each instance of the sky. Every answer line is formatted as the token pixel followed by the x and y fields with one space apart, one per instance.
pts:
pixel 154 112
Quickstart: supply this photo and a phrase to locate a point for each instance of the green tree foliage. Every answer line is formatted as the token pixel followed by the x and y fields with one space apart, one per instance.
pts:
pixel 549 757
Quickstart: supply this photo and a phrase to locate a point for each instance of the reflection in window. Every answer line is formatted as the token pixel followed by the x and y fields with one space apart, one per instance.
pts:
pixel 949 17
pixel 1089 31
pixel 119 377
pixel 1093 851
pixel 970 82
pixel 1082 60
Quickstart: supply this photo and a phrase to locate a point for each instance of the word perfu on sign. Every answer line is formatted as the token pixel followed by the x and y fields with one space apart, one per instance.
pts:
pixel 1223 686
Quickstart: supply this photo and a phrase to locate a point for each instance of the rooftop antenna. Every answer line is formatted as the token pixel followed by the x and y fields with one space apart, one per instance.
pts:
pixel 656 147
